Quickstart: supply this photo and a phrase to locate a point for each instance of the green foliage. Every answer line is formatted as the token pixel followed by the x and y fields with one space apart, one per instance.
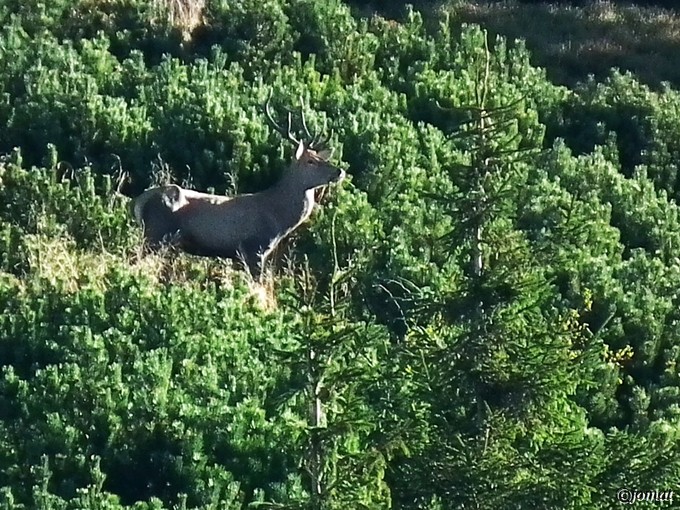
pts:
pixel 487 303
pixel 253 32
pixel 153 387
pixel 497 356
pixel 42 201
pixel 337 396
pixel 643 122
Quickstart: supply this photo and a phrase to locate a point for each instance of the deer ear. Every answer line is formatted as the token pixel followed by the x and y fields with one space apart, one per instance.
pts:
pixel 300 150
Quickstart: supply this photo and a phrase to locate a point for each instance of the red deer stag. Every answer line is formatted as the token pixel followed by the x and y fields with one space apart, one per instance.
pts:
pixel 246 227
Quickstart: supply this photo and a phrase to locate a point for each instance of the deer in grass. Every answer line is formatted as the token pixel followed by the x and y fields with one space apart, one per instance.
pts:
pixel 245 227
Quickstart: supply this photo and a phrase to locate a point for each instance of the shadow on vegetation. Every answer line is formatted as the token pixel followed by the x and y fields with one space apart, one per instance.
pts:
pixel 572 42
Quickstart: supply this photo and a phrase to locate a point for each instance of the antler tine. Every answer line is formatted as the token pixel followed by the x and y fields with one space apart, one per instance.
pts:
pixel 277 127
pixel 325 140
pixel 270 117
pixel 317 135
pixel 291 136
pixel 322 141
pixel 304 121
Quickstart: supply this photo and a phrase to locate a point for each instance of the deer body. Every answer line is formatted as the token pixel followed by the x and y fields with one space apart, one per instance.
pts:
pixel 246 226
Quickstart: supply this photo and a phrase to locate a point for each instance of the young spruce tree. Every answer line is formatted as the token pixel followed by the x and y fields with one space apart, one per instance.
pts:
pixel 337 367
pixel 498 361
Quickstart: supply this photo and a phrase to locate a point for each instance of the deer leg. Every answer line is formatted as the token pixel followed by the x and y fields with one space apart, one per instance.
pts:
pixel 251 258
pixel 255 267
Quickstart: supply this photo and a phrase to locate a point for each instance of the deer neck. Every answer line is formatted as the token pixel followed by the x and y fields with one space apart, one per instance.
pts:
pixel 291 202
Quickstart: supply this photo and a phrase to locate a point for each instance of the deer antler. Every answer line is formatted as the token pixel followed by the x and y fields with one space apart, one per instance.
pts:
pixel 313 142
pixel 287 133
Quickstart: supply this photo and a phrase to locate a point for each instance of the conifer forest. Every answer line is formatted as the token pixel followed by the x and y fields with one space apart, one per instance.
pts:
pixel 483 315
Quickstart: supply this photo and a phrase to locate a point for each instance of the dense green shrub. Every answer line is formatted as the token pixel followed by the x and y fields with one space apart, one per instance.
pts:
pixel 487 303
pixel 38 201
pixel 195 425
pixel 643 122
pixel 252 32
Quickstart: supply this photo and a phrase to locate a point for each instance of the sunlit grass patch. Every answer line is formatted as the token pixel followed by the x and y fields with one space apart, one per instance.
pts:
pixel 185 15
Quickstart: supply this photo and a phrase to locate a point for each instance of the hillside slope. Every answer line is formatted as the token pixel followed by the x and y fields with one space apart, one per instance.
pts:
pixel 484 315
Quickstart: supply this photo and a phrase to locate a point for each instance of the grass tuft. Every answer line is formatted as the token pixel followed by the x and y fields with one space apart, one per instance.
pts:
pixel 184 15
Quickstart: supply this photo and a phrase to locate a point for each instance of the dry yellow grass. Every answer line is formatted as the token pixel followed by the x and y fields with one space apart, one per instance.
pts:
pixel 184 15
pixel 57 260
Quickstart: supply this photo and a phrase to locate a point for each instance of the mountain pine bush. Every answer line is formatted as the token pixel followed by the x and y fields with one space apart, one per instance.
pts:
pixel 484 314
